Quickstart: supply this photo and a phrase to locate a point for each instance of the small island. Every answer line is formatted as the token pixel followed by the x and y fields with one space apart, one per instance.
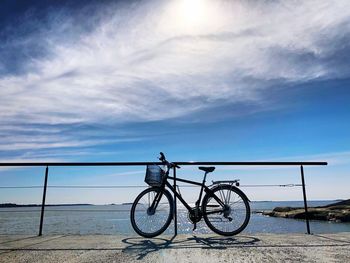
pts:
pixel 336 212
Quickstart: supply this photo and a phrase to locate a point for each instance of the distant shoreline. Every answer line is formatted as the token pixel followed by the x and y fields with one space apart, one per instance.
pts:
pixel 13 205
pixel 8 205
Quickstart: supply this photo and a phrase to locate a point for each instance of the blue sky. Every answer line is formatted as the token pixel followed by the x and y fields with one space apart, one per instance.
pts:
pixel 198 80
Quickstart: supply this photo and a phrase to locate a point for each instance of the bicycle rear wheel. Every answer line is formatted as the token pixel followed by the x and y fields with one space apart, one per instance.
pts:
pixel 230 215
pixel 147 222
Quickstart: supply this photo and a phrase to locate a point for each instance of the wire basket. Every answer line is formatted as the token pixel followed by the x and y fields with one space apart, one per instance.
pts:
pixel 154 175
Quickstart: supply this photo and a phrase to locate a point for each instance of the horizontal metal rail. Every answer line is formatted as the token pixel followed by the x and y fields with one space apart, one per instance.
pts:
pixel 133 186
pixel 159 163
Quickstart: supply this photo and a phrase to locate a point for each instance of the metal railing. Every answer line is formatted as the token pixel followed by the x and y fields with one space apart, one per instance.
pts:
pixel 53 164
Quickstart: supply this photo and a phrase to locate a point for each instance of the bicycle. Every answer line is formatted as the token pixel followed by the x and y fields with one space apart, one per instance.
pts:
pixel 225 208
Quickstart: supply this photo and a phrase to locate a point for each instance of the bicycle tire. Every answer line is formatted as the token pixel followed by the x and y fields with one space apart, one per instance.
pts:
pixel 139 227
pixel 226 228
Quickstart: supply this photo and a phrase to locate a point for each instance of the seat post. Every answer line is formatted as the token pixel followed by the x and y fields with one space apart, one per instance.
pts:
pixel 205 177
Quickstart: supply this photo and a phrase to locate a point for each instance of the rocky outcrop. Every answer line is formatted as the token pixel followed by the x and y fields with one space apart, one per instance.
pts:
pixel 338 212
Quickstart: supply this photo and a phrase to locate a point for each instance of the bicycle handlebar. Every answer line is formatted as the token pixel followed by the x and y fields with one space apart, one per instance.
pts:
pixel 162 157
pixel 164 160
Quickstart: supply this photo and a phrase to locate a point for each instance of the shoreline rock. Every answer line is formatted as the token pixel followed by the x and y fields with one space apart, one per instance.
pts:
pixel 337 212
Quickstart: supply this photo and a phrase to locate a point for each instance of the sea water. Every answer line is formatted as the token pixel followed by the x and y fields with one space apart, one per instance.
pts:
pixel 115 219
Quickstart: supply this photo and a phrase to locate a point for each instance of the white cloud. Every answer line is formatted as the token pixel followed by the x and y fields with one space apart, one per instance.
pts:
pixel 162 59
pixel 34 142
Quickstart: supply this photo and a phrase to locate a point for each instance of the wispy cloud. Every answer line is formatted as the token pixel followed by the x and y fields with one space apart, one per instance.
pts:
pixel 164 59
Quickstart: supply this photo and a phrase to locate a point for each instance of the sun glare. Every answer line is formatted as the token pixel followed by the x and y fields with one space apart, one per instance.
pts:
pixel 193 12
pixel 189 15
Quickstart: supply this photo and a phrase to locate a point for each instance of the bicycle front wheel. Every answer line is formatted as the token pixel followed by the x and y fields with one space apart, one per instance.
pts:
pixel 150 221
pixel 227 213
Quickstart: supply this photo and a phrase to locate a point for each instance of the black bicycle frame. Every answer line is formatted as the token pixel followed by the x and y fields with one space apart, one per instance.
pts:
pixel 202 185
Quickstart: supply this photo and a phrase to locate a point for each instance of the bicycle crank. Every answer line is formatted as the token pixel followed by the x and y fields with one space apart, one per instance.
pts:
pixel 195 215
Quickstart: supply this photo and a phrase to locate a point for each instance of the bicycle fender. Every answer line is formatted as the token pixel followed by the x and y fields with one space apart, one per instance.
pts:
pixel 236 188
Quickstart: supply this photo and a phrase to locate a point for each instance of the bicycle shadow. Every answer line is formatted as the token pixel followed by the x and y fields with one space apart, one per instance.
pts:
pixel 141 247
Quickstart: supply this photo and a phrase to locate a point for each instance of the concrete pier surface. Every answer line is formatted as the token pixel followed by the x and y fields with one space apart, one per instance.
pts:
pixel 183 248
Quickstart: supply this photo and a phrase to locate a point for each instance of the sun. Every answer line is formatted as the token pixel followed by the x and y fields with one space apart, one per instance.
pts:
pixel 193 12
pixel 188 14
pixel 191 16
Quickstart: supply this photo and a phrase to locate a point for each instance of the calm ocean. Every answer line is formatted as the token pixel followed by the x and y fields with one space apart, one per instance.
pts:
pixel 114 219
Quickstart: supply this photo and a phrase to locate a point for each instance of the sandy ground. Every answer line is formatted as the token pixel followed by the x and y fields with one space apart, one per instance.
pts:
pixel 183 248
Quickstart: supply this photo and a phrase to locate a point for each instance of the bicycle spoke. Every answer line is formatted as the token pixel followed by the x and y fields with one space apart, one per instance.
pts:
pixel 229 197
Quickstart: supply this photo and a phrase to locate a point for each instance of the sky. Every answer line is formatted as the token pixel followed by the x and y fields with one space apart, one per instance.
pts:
pixel 200 80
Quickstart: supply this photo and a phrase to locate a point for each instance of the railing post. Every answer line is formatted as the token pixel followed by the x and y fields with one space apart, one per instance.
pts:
pixel 43 202
pixel 175 207
pixel 305 201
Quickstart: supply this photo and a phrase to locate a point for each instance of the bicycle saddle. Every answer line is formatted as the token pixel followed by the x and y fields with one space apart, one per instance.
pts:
pixel 206 169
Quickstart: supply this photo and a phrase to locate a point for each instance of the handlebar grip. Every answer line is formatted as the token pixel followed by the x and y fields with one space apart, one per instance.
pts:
pixel 162 157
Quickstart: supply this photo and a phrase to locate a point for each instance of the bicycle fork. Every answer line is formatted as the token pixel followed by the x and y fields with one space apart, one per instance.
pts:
pixel 152 209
